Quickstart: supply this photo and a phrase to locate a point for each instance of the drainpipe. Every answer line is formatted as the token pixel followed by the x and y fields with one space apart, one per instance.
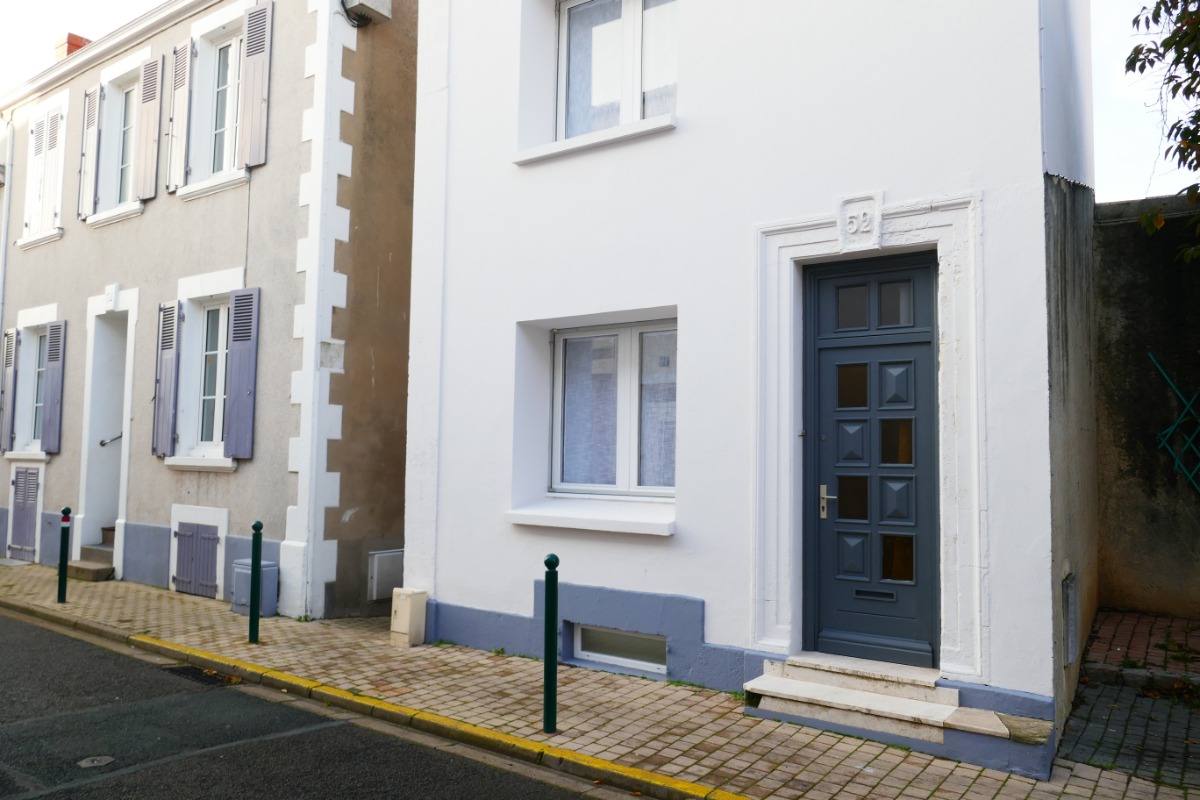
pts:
pixel 5 212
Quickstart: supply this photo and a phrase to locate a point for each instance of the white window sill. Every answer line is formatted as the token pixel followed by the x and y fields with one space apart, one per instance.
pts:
pixel 26 455
pixel 217 183
pixel 591 513
pixel 201 463
pixel 133 208
pixel 620 133
pixel 35 239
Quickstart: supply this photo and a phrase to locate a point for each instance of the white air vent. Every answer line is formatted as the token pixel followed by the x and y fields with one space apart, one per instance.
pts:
pixel 385 571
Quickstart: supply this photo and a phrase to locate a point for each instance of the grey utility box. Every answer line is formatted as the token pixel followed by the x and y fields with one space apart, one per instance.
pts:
pixel 268 603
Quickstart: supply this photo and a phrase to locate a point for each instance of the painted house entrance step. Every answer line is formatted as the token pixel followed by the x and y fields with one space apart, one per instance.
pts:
pixel 100 553
pixel 891 700
pixel 89 571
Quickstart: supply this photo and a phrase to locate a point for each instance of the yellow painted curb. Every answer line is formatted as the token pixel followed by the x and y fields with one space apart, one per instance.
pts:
pixel 164 648
pixel 564 760
pixel 590 766
pixel 289 682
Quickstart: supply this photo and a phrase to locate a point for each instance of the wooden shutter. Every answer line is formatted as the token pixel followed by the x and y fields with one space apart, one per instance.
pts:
pixel 145 175
pixel 181 96
pixel 166 380
pixel 34 182
pixel 52 172
pixel 52 386
pixel 256 82
pixel 91 151
pixel 12 341
pixel 240 368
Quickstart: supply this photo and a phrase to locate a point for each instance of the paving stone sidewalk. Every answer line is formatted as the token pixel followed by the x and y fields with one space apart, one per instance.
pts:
pixel 684 732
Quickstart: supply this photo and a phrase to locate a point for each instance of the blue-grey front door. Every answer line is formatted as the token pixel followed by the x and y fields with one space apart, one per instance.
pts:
pixel 870 500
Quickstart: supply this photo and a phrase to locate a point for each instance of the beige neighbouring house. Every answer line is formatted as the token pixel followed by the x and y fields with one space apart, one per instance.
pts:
pixel 206 247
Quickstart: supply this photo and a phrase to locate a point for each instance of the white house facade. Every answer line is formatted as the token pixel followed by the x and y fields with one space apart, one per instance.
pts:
pixel 750 316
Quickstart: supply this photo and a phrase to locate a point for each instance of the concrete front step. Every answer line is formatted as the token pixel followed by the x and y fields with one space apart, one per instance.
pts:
pixel 99 553
pixel 896 680
pixel 886 699
pixel 108 534
pixel 89 571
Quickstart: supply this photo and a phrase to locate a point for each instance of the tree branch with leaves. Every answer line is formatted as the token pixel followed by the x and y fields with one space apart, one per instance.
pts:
pixel 1172 50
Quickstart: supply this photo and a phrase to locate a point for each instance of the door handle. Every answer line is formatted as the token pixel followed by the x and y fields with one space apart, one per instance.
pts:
pixel 825 497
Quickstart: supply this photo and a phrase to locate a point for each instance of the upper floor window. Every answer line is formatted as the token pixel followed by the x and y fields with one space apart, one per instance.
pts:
pixel 219 88
pixel 43 174
pixel 119 163
pixel 617 63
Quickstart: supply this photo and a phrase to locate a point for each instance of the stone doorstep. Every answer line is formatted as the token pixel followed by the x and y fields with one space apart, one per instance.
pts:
pixel 89 571
pixel 98 553
pixel 875 697
pixel 913 683
pixel 108 534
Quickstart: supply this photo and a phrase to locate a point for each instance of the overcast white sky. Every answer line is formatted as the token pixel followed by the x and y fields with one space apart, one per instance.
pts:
pixel 1128 125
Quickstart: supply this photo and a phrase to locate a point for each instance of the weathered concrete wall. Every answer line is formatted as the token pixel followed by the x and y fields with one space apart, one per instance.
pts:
pixel 1148 302
pixel 1074 500
pixel 373 388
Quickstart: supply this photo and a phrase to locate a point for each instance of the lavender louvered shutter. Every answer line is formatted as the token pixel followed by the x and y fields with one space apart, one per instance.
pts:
pixel 52 386
pixel 181 96
pixel 256 82
pixel 166 380
pixel 91 149
pixel 12 341
pixel 145 176
pixel 241 366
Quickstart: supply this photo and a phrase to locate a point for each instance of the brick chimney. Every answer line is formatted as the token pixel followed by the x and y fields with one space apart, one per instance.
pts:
pixel 68 44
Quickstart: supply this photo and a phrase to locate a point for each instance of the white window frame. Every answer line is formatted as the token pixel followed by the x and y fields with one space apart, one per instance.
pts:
pixel 617 661
pixel 631 65
pixel 628 408
pixel 222 378
pixel 201 167
pixel 196 294
pixel 32 325
pixel 37 409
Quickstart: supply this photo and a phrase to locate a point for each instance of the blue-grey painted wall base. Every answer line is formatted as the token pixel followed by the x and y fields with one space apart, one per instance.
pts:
pixel 1031 761
pixel 3 532
pixel 680 620
pixel 1003 701
pixel 147 554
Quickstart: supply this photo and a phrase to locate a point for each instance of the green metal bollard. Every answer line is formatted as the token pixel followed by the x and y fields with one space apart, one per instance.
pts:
pixel 550 714
pixel 64 552
pixel 255 580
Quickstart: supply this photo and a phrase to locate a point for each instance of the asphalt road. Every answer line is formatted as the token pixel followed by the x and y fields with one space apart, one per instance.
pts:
pixel 64 700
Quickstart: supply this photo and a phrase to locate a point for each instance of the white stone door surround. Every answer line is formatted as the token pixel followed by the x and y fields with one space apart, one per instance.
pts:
pixel 859 227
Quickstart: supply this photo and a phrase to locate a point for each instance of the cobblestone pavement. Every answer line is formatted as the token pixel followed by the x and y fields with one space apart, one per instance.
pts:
pixel 1134 641
pixel 685 732
pixel 1157 738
